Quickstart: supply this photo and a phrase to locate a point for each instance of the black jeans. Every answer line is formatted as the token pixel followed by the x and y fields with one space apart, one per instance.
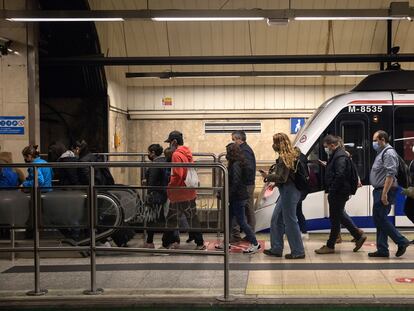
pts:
pixel 338 217
pixel 188 209
pixel 301 218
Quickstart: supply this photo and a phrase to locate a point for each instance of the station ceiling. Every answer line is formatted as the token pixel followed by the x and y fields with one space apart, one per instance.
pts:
pixel 150 38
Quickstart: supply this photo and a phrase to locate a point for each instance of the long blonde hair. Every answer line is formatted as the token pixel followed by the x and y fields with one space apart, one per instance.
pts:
pixel 283 145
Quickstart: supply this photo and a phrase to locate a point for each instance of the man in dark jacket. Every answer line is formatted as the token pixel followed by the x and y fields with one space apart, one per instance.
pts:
pixel 239 137
pixel 338 172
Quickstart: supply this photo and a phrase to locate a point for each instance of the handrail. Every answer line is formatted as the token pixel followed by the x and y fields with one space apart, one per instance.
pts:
pixel 92 212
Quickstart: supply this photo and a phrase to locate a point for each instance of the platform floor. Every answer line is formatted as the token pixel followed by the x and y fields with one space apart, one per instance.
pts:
pixel 344 275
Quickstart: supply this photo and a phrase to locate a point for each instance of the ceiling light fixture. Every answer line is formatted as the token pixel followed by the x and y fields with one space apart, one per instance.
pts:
pixel 348 18
pixel 205 19
pixel 66 19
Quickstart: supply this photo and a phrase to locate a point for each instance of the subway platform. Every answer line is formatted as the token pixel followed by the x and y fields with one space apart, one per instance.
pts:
pixel 129 279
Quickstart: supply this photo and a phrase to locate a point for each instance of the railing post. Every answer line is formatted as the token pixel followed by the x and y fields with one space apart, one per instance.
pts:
pixel 36 256
pixel 92 206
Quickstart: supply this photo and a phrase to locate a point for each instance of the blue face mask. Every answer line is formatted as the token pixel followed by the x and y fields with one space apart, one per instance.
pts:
pixel 375 145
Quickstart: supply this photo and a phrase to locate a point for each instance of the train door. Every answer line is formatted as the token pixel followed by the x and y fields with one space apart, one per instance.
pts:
pixel 354 130
pixel 403 141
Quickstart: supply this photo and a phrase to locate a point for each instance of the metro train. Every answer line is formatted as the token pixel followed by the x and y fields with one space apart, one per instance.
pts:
pixel 384 100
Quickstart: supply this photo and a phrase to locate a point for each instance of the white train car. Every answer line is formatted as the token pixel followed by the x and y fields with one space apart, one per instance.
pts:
pixel 383 100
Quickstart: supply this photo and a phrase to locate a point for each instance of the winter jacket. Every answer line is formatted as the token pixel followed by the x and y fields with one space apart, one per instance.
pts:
pixel 68 176
pixel 8 177
pixel 181 155
pixel 45 175
pixel 337 174
pixel 250 164
pixel 279 173
pixel 102 175
pixel 157 176
pixel 237 182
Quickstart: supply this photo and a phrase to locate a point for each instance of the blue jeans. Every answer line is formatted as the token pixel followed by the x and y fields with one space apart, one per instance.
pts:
pixel 284 220
pixel 384 227
pixel 237 210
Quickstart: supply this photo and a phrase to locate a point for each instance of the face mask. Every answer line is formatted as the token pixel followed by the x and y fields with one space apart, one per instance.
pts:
pixel 328 151
pixel 375 145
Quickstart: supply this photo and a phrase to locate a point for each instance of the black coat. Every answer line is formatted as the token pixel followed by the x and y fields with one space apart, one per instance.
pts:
pixel 67 176
pixel 157 177
pixel 337 174
pixel 250 161
pixel 237 182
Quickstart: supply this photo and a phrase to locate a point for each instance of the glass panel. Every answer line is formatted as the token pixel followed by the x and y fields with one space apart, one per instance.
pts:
pixel 315 170
pixel 404 133
pixel 353 136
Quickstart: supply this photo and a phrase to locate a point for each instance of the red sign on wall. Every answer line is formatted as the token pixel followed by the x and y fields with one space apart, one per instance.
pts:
pixel 167 101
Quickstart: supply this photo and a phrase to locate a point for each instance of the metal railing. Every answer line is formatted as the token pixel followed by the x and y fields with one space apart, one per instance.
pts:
pixel 92 208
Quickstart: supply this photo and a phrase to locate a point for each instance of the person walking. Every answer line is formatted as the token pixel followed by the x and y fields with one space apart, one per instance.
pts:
pixel 240 138
pixel 338 187
pixel 284 219
pixel 383 179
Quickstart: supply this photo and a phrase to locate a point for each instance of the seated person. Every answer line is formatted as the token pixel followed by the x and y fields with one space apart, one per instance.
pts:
pixel 31 155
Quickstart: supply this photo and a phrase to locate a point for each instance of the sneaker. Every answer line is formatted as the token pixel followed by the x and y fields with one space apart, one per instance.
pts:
pixel 361 232
pixel 252 249
pixel 377 254
pixel 201 247
pixel 107 244
pixel 268 252
pixel 189 240
pixel 290 256
pixel 401 249
pixel 360 242
pixel 325 250
pixel 148 245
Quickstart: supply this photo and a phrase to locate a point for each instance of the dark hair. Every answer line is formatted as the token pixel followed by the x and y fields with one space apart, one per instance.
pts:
pixel 331 139
pixel 234 154
pixel 56 149
pixel 383 135
pixel 83 147
pixel 156 148
pixel 168 154
pixel 239 135
pixel 31 150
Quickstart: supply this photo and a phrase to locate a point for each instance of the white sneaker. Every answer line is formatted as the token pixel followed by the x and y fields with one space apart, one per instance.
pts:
pixel 252 249
pixel 107 244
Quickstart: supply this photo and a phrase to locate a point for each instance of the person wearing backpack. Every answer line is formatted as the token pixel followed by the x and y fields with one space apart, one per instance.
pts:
pixel 339 186
pixel 383 178
pixel 303 194
pixel 284 218
pixel 182 201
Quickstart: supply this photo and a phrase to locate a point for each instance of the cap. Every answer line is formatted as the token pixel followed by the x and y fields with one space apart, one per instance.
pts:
pixel 174 135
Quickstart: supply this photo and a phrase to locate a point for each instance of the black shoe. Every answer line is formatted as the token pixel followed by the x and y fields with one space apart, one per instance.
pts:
pixel 189 240
pixel 290 256
pixel 268 252
pixel 401 249
pixel 376 254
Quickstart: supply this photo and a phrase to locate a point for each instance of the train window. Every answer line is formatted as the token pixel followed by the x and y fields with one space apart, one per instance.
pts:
pixel 315 170
pixel 353 135
pixel 404 132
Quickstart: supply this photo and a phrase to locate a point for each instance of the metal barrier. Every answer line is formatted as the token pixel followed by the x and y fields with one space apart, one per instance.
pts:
pixel 92 248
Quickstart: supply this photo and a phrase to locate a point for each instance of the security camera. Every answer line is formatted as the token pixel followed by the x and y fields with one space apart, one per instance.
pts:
pixel 4 46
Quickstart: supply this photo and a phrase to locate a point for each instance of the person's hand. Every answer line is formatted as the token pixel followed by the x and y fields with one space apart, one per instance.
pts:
pixel 271 186
pixel 384 199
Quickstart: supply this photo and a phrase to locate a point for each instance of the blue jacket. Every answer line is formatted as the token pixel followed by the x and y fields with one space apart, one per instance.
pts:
pixel 8 177
pixel 45 175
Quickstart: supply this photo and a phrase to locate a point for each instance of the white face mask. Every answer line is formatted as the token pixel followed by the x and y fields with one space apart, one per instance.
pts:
pixel 412 148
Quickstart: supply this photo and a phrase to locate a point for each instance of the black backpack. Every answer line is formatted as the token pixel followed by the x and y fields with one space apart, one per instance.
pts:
pixel 103 175
pixel 353 176
pixel 403 173
pixel 301 177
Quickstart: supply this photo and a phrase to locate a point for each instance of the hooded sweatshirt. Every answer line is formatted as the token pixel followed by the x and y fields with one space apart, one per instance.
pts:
pixel 181 155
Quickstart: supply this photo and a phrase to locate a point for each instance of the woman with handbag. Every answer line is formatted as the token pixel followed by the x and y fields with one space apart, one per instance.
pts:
pixel 284 219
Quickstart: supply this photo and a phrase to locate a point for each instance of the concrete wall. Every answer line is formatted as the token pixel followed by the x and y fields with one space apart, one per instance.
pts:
pixel 14 83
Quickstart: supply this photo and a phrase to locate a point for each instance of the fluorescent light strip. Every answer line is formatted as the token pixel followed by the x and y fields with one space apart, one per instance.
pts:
pixel 352 76
pixel 348 18
pixel 291 76
pixel 206 77
pixel 66 19
pixel 205 19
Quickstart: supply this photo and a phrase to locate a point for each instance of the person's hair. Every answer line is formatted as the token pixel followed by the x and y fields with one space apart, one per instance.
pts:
pixel 234 154
pixel 286 152
pixel 180 140
pixel 383 135
pixel 340 142
pixel 331 139
pixel 168 154
pixel 156 148
pixel 239 135
pixel 31 150
pixel 83 147
pixel 56 149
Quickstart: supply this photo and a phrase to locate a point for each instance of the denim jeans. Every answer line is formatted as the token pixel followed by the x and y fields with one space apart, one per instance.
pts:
pixel 237 210
pixel 338 217
pixel 384 227
pixel 284 220
pixel 301 218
